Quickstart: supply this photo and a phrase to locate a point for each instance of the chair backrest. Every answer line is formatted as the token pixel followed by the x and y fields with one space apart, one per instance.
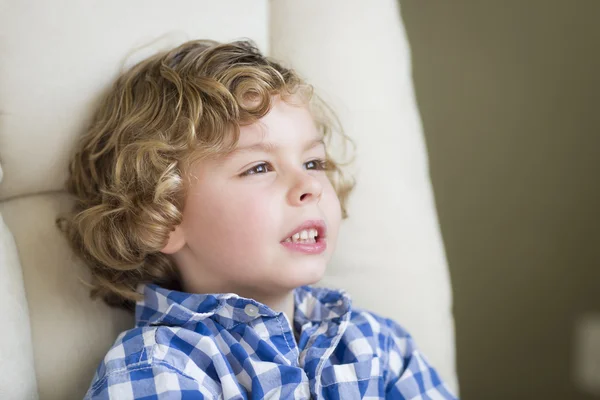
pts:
pixel 17 374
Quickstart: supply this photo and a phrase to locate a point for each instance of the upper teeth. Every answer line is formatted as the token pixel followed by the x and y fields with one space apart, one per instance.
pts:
pixel 303 235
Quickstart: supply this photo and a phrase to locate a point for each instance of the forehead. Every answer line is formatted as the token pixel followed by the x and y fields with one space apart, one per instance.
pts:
pixel 285 123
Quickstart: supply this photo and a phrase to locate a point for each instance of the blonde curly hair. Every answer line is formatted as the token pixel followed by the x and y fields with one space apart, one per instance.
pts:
pixel 128 170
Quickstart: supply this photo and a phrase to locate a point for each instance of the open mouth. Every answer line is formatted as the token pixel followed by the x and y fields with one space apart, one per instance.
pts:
pixel 309 232
pixel 308 238
pixel 305 236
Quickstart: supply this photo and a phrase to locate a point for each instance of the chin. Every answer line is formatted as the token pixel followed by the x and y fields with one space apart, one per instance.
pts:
pixel 307 273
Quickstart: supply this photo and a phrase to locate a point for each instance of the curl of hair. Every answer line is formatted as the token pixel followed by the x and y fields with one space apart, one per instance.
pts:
pixel 127 171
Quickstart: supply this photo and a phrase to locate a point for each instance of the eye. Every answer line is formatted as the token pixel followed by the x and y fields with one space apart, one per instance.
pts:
pixel 317 164
pixel 261 168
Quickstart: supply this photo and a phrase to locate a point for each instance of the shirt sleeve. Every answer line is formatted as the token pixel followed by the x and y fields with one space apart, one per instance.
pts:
pixel 149 382
pixel 409 374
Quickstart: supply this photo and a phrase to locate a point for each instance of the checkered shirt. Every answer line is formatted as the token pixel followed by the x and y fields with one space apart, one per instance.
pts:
pixel 223 346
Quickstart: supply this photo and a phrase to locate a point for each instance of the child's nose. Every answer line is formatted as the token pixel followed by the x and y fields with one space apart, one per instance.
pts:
pixel 306 189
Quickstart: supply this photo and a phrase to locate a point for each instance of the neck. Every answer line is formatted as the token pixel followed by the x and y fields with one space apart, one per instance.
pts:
pixel 283 303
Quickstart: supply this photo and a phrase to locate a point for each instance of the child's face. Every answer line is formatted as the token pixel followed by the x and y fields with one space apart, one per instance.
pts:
pixel 241 208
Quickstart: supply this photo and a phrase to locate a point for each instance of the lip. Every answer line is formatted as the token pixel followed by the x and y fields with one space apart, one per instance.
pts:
pixel 309 248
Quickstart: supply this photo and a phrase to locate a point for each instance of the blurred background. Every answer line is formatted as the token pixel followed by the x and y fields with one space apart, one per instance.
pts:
pixel 509 96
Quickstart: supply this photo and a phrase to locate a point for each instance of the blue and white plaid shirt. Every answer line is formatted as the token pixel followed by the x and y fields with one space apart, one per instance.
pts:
pixel 222 346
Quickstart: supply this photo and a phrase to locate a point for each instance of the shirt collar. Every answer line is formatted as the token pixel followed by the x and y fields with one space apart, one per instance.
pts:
pixel 170 307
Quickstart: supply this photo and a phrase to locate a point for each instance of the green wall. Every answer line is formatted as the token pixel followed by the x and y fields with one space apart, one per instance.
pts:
pixel 509 93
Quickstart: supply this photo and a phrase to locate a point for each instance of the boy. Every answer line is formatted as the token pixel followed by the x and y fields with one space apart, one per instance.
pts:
pixel 206 195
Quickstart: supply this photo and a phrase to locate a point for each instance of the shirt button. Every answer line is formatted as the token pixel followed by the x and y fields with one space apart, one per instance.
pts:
pixel 251 310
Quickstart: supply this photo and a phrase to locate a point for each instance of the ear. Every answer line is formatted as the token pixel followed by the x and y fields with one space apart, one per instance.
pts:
pixel 176 241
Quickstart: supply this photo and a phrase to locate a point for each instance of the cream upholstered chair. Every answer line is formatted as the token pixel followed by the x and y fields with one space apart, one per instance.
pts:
pixel 56 57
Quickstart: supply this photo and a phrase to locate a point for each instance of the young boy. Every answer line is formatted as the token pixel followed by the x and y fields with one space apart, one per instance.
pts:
pixel 206 198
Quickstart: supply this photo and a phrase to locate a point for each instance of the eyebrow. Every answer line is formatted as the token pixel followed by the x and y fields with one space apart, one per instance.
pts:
pixel 267 147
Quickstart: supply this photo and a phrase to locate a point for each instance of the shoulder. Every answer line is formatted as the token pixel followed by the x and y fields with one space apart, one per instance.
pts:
pixel 148 358
pixel 406 370
pixel 131 349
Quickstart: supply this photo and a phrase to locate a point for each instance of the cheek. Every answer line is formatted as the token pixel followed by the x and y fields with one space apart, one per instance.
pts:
pixel 330 204
pixel 228 221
